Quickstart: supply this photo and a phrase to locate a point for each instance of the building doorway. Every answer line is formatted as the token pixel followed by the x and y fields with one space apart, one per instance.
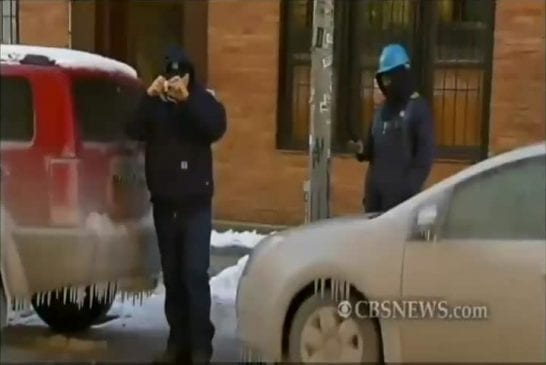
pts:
pixel 139 32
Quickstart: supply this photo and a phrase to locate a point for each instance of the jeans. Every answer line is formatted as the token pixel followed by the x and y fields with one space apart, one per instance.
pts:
pixel 183 232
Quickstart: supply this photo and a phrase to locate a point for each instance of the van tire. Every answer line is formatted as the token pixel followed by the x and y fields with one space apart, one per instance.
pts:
pixel 68 317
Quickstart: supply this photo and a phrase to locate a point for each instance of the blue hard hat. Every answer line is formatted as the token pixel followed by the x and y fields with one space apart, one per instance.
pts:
pixel 392 56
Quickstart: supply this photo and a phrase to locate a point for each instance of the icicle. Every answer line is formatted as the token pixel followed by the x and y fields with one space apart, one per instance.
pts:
pixel 322 287
pixel 93 294
pixel 316 285
pixel 112 289
pixel 347 290
pixel 141 298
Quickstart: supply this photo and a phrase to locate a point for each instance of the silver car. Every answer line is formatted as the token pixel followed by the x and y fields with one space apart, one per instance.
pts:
pixel 457 273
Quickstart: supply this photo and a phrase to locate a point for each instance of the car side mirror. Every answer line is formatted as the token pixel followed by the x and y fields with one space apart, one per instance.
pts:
pixel 426 221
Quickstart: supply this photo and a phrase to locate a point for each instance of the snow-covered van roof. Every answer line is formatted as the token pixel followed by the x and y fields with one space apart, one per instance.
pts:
pixel 63 57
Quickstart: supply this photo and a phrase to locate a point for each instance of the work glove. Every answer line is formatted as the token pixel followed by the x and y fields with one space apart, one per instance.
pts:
pixel 177 88
pixel 355 146
pixel 157 87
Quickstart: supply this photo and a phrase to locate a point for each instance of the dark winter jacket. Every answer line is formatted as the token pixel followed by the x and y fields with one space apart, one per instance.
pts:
pixel 400 145
pixel 178 139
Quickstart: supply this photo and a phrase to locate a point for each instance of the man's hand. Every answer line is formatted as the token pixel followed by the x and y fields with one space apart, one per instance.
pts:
pixel 177 88
pixel 356 146
pixel 156 88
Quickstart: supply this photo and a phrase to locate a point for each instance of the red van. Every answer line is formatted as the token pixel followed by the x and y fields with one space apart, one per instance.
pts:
pixel 76 222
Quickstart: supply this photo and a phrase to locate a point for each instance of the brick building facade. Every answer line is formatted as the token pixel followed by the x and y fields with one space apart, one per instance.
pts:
pixel 243 52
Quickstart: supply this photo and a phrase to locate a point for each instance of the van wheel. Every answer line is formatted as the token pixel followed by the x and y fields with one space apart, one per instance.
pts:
pixel 68 317
pixel 319 334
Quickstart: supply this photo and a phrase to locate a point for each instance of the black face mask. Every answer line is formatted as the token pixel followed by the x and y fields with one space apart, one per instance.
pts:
pixel 397 86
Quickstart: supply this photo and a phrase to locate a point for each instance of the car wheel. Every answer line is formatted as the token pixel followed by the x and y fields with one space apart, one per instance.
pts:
pixel 319 334
pixel 67 317
pixel 3 309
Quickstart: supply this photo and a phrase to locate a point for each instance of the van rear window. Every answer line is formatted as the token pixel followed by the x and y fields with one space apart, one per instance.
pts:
pixel 16 109
pixel 102 108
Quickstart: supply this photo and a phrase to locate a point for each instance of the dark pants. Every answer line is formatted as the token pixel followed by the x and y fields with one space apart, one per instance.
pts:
pixel 183 232
pixel 383 197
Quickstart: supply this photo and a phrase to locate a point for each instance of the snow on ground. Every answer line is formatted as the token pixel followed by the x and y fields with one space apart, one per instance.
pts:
pixel 231 238
pixel 223 286
pixel 68 58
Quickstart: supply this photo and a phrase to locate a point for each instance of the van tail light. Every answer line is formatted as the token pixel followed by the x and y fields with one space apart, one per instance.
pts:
pixel 63 193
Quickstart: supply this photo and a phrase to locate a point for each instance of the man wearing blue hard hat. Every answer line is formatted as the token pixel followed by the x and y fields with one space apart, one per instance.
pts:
pixel 400 145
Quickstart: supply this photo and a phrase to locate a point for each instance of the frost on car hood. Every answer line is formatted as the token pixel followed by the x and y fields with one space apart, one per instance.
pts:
pixel 348 223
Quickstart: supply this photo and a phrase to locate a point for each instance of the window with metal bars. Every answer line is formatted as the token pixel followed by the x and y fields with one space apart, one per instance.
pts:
pixel 10 21
pixel 450 42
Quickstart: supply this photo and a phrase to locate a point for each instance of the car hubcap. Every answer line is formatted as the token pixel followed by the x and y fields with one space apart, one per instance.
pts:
pixel 326 337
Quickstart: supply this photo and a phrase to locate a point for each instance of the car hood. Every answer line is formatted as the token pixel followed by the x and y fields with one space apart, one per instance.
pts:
pixel 335 230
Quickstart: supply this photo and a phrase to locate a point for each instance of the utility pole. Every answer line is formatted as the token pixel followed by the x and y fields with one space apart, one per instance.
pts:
pixel 322 79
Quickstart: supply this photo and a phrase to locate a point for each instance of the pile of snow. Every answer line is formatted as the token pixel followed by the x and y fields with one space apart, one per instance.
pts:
pixel 232 238
pixel 68 58
pixel 223 287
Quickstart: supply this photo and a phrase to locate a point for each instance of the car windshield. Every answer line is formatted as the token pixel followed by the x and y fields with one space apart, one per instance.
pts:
pixel 102 106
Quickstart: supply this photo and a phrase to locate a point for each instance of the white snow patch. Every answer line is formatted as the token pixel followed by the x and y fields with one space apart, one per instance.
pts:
pixel 231 238
pixel 68 58
pixel 223 286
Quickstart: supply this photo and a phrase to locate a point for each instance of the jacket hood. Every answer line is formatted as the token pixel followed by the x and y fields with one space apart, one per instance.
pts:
pixel 400 87
pixel 177 62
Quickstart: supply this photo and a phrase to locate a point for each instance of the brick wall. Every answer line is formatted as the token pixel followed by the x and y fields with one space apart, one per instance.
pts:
pixel 255 182
pixel 519 85
pixel 44 22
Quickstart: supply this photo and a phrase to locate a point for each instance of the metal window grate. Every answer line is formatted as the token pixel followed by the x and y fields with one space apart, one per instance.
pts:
pixel 450 42
pixel 10 21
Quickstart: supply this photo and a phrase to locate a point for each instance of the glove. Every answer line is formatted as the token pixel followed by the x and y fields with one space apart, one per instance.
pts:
pixel 355 146
pixel 177 88
pixel 156 88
